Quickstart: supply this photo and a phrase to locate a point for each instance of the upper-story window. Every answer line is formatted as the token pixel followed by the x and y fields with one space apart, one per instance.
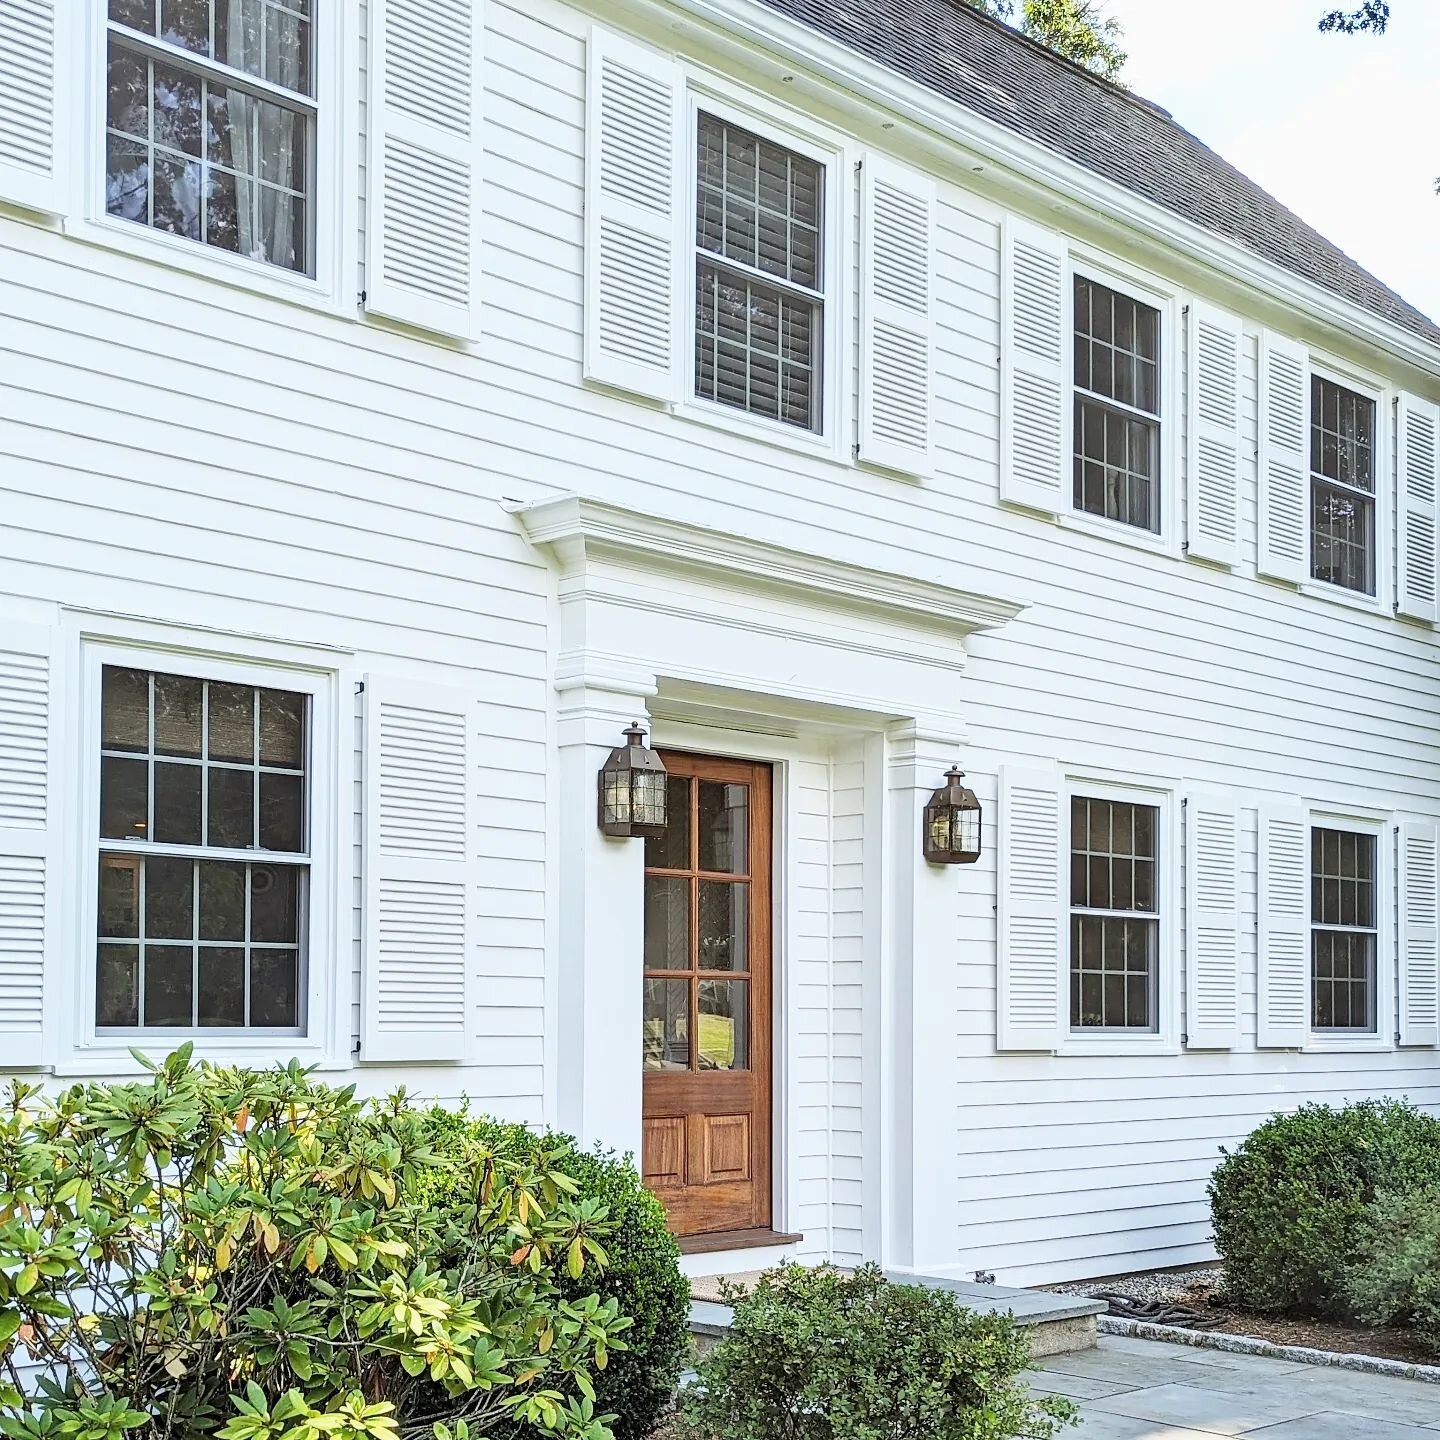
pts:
pixel 759 302
pixel 210 124
pixel 1117 406
pixel 1343 933
pixel 204 853
pixel 1342 486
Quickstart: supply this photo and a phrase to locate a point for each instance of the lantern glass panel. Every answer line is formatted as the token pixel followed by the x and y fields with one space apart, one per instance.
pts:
pixel 617 797
pixel 647 790
pixel 966 831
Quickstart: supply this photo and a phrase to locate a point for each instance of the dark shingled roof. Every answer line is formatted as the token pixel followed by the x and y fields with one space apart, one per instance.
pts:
pixel 988 68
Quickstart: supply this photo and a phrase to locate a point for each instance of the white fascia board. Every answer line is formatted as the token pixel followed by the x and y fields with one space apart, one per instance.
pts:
pixel 752 23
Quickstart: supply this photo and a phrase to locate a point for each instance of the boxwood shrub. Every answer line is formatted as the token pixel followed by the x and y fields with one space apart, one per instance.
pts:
pixel 1290 1204
pixel 641 1272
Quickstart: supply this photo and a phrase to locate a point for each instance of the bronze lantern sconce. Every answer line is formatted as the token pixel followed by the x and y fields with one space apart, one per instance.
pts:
pixel 951 831
pixel 633 790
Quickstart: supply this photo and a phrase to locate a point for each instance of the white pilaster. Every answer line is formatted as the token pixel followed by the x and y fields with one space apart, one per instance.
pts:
pixel 920 1071
pixel 602 922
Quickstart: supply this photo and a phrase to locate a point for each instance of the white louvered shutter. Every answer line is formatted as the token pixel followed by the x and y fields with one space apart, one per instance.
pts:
pixel 1284 458
pixel 421 871
pixel 635 204
pixel 897 316
pixel 1035 367
pixel 1419 935
pixel 1029 978
pixel 26 832
pixel 1212 496
pixel 1283 982
pixel 422 264
pixel 1212 922
pixel 32 102
pixel 1418 461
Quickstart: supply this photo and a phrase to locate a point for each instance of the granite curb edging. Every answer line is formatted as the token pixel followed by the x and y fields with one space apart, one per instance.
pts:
pixel 1250 1345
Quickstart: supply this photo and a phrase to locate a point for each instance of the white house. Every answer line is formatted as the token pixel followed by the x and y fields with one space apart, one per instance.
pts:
pixel 398 401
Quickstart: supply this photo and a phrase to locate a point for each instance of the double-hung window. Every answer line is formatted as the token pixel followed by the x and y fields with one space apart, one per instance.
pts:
pixel 204 854
pixel 1117 406
pixel 1342 486
pixel 1114 916
pixel 759 275
pixel 1344 937
pixel 210 127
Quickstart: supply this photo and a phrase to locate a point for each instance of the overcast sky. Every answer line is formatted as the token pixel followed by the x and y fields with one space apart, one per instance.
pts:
pixel 1345 130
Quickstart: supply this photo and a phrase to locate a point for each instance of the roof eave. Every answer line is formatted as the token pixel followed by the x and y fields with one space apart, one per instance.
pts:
pixel 751 22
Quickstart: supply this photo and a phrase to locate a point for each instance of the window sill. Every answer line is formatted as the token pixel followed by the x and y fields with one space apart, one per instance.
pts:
pixel 1121 534
pixel 206 263
pixel 1073 1045
pixel 1319 1044
pixel 1338 595
pixel 105 1057
pixel 764 432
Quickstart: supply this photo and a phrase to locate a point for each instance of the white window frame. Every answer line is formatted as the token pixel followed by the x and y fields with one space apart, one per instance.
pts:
pixel 1382 601
pixel 335 205
pixel 1383 830
pixel 1165 1038
pixel 1149 290
pixel 325 677
pixel 711 94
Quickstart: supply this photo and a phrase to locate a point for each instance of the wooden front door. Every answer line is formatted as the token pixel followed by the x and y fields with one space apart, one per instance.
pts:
pixel 707 998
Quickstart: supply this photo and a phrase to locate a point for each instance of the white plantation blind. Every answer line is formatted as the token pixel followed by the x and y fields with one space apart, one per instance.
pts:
pixel 26 863
pixel 1283 981
pixel 1035 366
pixel 1028 982
pixel 1419 878
pixel 1418 469
pixel 634 201
pixel 1284 458
pixel 1212 922
pixel 32 36
pixel 421 871
pixel 897 316
pixel 1212 497
pixel 425 105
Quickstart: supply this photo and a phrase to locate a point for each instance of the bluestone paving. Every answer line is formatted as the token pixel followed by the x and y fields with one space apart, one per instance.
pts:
pixel 1221 1411
pixel 1330 1426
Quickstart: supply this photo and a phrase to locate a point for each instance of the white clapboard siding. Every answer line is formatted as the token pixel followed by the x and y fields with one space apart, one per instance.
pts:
pixel 1284 458
pixel 1029 911
pixel 1419 935
pixel 26 863
pixel 423 226
pixel 1212 496
pixel 32 42
pixel 1035 366
pixel 421 871
pixel 634 203
pixel 1283 980
pixel 897 316
pixel 1418 469
pixel 1212 922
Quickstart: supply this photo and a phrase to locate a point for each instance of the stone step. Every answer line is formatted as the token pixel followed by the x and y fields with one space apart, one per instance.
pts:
pixel 1053 1323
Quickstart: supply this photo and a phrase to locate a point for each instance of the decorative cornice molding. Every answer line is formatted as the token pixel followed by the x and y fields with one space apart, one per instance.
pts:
pixel 582 532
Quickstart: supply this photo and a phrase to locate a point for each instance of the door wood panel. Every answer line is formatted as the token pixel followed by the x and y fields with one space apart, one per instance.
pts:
pixel 707 1042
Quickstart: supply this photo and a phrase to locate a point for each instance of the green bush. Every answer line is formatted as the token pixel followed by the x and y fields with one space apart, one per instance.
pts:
pixel 641 1272
pixel 1395 1277
pixel 817 1355
pixel 256 1255
pixel 1289 1205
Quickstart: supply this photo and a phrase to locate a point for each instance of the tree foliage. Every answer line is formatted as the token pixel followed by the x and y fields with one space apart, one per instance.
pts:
pixel 253 1255
pixel 1373 15
pixel 1077 29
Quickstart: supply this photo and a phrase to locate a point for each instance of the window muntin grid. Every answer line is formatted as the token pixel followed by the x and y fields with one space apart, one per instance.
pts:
pixel 1344 936
pixel 1342 486
pixel 210 124
pixel 1114 915
pixel 759 275
pixel 204 860
pixel 1117 406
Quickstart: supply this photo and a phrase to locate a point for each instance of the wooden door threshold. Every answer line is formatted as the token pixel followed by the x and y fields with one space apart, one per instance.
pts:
pixel 717 1240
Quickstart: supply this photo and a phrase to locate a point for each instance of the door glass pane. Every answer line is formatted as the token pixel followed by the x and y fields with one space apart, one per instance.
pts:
pixel 667 1024
pixel 724 925
pixel 724 1025
pixel 671 851
pixel 667 923
pixel 724 822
